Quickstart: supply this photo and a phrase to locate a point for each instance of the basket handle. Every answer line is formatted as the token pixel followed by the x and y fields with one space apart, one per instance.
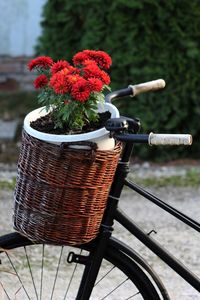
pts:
pixel 89 149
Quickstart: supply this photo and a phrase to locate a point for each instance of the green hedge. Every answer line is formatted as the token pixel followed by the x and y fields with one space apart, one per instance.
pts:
pixel 147 39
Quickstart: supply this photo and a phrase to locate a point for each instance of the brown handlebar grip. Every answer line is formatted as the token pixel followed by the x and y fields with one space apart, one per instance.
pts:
pixel 147 86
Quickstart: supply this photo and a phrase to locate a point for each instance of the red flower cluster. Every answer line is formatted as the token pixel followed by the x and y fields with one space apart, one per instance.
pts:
pixel 58 66
pixel 102 59
pixel 59 83
pixel 76 82
pixel 72 90
pixel 43 62
pixel 95 84
pixel 81 90
pixel 41 81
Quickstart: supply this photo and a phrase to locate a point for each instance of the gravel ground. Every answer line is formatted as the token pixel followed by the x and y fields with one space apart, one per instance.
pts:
pixel 172 234
pixel 180 240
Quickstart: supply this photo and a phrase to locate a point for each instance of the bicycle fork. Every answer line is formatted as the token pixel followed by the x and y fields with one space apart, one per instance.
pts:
pixel 93 263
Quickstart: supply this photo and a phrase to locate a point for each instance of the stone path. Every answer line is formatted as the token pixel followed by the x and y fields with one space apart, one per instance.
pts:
pixel 176 237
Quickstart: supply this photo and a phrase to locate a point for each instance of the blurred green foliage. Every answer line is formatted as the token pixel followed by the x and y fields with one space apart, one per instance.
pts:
pixel 147 39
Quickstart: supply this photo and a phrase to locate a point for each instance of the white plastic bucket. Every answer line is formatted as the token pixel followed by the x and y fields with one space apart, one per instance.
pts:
pixel 100 136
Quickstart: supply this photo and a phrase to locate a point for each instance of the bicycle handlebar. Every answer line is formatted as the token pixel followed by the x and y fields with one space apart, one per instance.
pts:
pixel 152 138
pixel 134 90
pixel 147 87
pixel 157 139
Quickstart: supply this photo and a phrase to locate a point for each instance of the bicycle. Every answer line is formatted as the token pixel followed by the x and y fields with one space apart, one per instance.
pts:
pixel 137 280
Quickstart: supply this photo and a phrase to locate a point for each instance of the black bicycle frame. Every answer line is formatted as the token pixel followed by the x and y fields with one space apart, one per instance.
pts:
pixel 113 213
pixel 124 220
pixel 148 241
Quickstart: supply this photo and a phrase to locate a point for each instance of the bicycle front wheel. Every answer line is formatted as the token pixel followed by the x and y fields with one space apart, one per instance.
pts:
pixel 36 272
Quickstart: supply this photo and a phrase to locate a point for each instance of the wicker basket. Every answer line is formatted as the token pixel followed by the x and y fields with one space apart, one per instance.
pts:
pixel 61 191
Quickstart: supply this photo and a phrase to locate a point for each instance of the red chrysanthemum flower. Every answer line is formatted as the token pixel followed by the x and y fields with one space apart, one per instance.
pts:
pixel 42 62
pixel 95 84
pixel 79 58
pixel 72 79
pixel 80 90
pixel 40 81
pixel 104 77
pixel 89 62
pixel 58 66
pixel 59 83
pixel 91 70
pixel 70 70
pixel 102 59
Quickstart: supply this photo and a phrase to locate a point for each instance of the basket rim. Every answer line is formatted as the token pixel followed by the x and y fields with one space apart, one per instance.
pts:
pixel 54 138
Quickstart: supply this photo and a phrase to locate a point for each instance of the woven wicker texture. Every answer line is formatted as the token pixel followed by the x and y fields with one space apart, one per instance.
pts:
pixel 61 192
